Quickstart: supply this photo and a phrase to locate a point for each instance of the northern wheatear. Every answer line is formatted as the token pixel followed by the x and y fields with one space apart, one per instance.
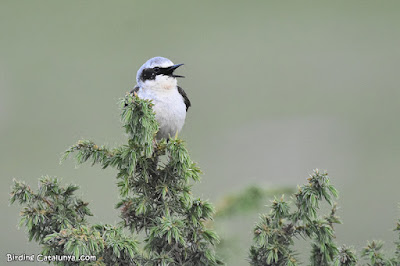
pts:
pixel 156 81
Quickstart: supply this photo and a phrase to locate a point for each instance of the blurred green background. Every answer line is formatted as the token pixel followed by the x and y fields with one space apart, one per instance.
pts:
pixel 278 88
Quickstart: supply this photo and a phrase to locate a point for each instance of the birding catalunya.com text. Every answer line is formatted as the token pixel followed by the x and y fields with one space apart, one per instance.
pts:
pixel 49 258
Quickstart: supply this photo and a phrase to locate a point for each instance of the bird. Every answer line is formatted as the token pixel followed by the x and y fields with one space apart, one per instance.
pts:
pixel 157 82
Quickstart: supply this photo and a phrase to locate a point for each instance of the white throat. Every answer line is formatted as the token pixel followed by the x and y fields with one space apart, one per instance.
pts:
pixel 161 82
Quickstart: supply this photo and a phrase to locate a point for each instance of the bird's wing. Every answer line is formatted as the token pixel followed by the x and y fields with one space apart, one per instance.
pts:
pixel 135 89
pixel 185 97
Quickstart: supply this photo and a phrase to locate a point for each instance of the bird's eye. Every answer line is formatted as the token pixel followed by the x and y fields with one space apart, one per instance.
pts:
pixel 156 69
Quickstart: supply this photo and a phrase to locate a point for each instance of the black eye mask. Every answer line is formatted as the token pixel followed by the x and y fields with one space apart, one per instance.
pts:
pixel 151 73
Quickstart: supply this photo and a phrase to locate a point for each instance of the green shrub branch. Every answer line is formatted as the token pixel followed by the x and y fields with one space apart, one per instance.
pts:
pixel 162 223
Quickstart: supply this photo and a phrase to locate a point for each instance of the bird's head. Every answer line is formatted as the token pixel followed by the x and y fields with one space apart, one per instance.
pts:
pixel 157 73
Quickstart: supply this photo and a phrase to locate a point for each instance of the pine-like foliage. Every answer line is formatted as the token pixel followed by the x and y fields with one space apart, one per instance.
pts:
pixel 156 202
pixel 165 223
pixel 274 234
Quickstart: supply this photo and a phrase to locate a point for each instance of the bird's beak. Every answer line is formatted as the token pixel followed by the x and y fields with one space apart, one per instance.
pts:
pixel 170 71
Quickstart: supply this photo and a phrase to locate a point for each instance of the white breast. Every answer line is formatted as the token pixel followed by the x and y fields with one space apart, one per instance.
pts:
pixel 169 108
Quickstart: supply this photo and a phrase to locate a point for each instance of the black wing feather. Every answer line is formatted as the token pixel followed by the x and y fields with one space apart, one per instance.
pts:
pixel 135 89
pixel 185 97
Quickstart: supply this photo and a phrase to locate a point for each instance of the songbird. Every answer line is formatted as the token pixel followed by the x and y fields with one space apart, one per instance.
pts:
pixel 156 81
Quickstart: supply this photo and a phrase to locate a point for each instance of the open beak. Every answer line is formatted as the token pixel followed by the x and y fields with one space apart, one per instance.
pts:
pixel 170 71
